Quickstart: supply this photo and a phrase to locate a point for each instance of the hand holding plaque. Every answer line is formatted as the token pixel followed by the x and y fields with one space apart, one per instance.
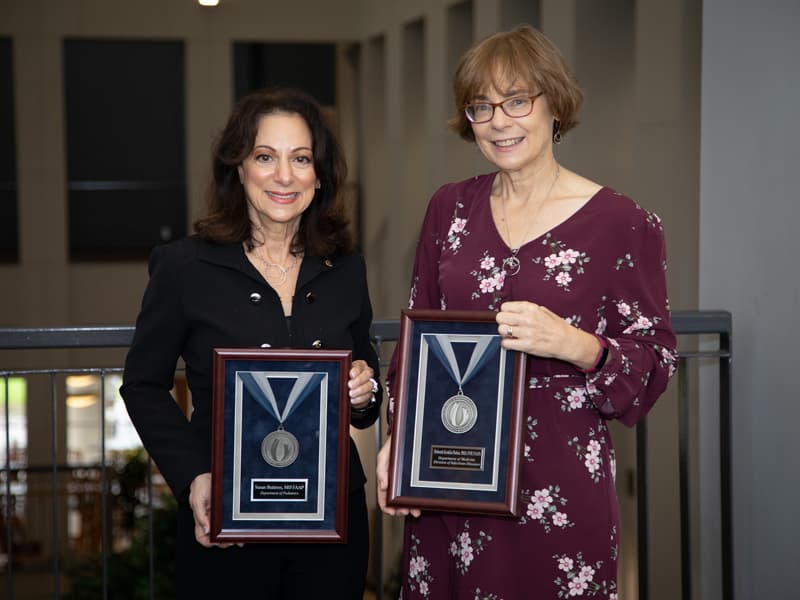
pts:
pixel 280 445
pixel 456 437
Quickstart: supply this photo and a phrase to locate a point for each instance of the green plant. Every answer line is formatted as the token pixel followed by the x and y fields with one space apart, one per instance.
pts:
pixel 128 571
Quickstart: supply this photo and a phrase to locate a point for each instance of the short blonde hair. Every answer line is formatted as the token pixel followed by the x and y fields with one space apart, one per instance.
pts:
pixel 523 54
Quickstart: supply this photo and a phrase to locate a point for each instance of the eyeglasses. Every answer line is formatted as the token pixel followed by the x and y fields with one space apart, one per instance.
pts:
pixel 516 107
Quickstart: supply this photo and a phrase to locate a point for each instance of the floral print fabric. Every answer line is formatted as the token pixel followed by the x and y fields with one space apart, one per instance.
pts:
pixel 602 270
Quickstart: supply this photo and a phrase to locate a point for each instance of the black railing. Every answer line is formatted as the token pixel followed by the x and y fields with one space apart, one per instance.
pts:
pixel 687 323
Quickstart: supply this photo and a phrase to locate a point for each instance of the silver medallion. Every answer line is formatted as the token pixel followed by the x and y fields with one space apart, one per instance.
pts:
pixel 280 448
pixel 459 413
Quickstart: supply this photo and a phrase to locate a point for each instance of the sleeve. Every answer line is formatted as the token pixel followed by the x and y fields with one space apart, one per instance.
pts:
pixel 363 349
pixel 425 292
pixel 161 330
pixel 637 328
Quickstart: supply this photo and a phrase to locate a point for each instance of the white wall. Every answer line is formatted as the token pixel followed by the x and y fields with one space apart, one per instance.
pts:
pixel 749 213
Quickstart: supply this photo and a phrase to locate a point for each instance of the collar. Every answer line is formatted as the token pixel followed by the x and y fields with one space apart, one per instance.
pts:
pixel 232 256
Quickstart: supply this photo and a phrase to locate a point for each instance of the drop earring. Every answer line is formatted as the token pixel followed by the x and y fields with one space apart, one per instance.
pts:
pixel 556 131
pixel 317 185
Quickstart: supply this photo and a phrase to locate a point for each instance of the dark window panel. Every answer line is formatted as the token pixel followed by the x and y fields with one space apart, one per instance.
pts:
pixel 9 221
pixel 9 238
pixel 126 146
pixel 150 217
pixel 8 166
pixel 124 109
pixel 310 67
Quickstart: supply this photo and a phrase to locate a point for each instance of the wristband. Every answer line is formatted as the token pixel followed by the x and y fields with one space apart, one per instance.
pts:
pixel 600 359
pixel 360 411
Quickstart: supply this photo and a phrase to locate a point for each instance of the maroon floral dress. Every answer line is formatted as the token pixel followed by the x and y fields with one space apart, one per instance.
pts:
pixel 602 270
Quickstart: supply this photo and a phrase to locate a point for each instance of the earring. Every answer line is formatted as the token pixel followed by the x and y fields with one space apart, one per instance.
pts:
pixel 317 185
pixel 556 131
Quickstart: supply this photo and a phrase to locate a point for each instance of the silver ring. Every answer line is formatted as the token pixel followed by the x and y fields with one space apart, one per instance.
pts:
pixel 510 332
pixel 374 385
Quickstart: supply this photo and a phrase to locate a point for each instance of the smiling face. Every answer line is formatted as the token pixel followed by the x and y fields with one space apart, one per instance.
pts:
pixel 278 176
pixel 515 143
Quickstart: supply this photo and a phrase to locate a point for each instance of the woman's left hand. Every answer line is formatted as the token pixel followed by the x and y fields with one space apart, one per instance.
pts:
pixel 362 385
pixel 534 329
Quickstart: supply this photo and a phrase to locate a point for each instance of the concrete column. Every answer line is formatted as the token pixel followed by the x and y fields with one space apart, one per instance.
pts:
pixel 485 17
pixel 393 276
pixel 436 76
pixel 666 141
pixel 374 161
pixel 42 195
pixel 208 60
pixel 42 201
pixel 463 159
pixel 664 176
pixel 558 23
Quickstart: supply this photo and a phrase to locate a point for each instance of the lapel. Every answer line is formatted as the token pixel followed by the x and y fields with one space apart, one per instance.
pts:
pixel 229 256
pixel 311 268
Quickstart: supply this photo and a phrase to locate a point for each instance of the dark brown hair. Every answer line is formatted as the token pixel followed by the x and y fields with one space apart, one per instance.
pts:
pixel 523 54
pixel 323 226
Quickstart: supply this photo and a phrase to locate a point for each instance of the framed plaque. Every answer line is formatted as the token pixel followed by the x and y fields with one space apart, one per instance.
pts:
pixel 280 447
pixel 457 431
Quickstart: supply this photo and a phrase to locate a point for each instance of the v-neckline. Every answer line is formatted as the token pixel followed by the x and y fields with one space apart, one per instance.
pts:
pixel 487 197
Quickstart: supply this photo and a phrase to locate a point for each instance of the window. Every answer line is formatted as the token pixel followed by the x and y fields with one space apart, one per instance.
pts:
pixel 90 398
pixel 310 67
pixel 125 146
pixel 14 392
pixel 9 222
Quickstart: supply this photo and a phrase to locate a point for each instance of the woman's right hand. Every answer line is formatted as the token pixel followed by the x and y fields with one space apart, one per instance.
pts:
pixel 382 472
pixel 200 501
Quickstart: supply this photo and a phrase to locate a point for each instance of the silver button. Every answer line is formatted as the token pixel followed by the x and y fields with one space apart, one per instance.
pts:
pixel 328 262
pixel 255 297
pixel 266 345
pixel 310 297
pixel 316 344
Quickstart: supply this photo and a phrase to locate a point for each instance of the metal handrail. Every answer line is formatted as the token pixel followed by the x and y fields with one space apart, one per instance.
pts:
pixel 25 338
pixel 717 323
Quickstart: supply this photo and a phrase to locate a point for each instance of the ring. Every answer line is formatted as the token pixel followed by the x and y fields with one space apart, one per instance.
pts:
pixel 374 385
pixel 510 332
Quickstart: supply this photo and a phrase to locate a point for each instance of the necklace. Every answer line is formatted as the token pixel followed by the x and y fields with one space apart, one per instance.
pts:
pixel 282 272
pixel 511 264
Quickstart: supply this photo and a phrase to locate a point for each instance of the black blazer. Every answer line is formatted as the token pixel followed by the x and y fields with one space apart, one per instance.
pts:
pixel 203 295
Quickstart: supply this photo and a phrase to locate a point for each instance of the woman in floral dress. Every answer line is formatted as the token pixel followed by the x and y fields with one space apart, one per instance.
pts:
pixel 575 272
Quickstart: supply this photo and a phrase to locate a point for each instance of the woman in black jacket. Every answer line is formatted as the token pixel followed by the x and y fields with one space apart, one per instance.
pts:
pixel 271 265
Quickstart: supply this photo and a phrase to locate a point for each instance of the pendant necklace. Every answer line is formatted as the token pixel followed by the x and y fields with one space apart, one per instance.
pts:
pixel 282 271
pixel 511 264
